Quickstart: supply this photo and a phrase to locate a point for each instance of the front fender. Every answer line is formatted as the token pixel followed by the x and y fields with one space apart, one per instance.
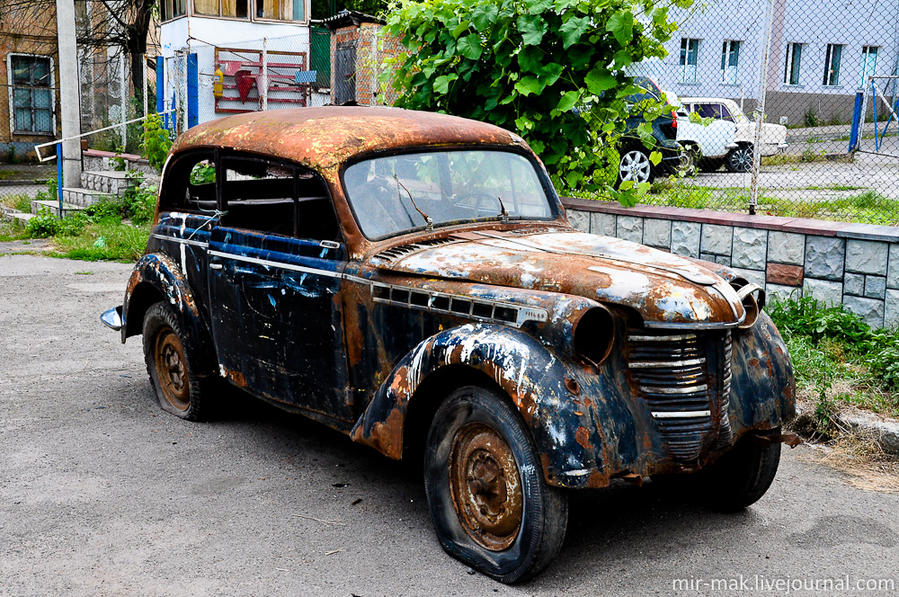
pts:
pixel 763 394
pixel 532 376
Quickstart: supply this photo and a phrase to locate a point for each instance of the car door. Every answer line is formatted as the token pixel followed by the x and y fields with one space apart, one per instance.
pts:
pixel 275 319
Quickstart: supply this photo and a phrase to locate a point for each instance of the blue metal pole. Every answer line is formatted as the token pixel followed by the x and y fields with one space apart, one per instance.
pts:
pixel 856 122
pixel 193 97
pixel 874 105
pixel 59 176
pixel 160 87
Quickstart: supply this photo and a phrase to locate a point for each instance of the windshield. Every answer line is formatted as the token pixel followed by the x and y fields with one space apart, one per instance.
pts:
pixel 395 194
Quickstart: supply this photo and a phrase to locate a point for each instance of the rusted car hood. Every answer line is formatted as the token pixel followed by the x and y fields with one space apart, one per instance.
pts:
pixel 664 288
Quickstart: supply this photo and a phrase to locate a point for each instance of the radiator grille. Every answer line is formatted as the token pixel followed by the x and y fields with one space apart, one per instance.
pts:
pixel 403 250
pixel 671 374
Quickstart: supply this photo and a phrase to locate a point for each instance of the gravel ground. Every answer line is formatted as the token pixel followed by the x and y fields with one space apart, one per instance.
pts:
pixel 101 493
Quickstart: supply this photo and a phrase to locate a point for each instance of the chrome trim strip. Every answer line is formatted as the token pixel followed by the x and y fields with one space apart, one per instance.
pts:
pixel 183 241
pixel 683 390
pixel 663 364
pixel 523 313
pixel 670 338
pixel 665 325
pixel 684 414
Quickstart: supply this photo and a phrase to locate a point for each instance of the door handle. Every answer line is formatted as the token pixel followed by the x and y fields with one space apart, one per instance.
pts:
pixel 216 266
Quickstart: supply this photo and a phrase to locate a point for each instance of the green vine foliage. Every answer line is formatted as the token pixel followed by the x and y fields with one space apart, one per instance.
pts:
pixel 156 141
pixel 555 71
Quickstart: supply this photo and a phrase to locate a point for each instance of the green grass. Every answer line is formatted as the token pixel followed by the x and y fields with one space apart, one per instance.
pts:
pixel 867 207
pixel 839 358
pixel 108 239
pixel 17 201
pixel 10 231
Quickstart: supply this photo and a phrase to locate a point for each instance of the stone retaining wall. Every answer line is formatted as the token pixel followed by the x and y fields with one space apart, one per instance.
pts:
pixel 853 264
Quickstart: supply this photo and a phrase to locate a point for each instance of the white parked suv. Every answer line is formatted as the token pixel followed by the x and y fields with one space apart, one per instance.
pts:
pixel 735 151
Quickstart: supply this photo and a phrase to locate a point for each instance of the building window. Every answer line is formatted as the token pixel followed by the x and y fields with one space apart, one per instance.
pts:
pixel 832 64
pixel 32 94
pixel 275 10
pixel 689 53
pixel 791 68
pixel 730 57
pixel 172 9
pixel 869 63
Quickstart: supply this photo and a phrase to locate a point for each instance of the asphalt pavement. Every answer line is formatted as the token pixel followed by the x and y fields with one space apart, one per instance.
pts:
pixel 101 493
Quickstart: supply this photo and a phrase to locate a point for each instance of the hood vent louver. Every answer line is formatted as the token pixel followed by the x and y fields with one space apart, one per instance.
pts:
pixel 400 251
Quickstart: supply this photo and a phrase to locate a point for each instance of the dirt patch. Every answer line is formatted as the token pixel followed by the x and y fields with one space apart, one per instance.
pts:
pixel 25 247
pixel 866 465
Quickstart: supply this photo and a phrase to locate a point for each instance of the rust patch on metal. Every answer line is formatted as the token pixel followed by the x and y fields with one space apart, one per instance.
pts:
pixel 572 386
pixel 582 436
pixel 236 377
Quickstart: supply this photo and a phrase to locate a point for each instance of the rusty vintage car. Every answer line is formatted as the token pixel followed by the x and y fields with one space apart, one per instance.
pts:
pixel 411 280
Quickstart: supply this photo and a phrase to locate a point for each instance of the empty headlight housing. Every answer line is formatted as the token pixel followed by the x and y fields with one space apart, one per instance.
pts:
pixel 594 335
pixel 752 296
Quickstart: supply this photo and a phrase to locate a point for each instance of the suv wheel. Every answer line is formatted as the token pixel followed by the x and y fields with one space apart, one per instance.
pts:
pixel 489 503
pixel 739 159
pixel 169 354
pixel 743 475
pixel 635 165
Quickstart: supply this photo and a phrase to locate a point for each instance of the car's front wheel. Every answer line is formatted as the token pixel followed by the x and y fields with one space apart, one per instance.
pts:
pixel 170 354
pixel 739 159
pixel 490 505
pixel 743 475
pixel 635 166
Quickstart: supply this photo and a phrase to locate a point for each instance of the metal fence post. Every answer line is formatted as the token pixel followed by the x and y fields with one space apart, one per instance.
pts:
pixel 760 114
pixel 263 79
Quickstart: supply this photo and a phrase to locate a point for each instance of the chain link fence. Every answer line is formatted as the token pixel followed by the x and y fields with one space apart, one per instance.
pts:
pixel 822 75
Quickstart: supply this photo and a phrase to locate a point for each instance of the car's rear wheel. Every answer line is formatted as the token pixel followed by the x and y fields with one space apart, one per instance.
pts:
pixel 743 475
pixel 168 352
pixel 690 157
pixel 635 166
pixel 739 159
pixel 490 505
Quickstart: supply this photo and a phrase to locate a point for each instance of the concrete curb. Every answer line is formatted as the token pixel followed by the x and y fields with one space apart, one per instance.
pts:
pixel 884 431
pixel 864 425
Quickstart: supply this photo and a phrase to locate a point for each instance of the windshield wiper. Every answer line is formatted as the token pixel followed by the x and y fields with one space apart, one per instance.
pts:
pixel 503 214
pixel 429 223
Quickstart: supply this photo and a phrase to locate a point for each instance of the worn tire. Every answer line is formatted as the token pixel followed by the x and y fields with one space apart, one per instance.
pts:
pixel 739 159
pixel 509 525
pixel 741 476
pixel 170 354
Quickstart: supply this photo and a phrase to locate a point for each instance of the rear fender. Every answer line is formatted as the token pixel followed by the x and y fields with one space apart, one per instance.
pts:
pixel 158 272
pixel 533 378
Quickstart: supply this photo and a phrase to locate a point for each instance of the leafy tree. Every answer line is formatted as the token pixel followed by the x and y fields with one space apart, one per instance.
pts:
pixel 553 70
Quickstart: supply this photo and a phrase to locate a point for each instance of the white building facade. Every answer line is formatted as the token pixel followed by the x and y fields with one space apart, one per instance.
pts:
pixel 820 52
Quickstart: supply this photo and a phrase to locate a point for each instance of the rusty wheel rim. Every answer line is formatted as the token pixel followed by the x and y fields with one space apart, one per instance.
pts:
pixel 171 369
pixel 486 487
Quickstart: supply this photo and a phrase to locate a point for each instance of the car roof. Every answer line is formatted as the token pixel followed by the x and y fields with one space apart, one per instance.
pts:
pixel 702 100
pixel 325 137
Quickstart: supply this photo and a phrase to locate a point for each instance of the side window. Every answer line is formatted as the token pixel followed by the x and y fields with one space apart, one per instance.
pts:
pixel 276 198
pixel 709 110
pixel 189 184
pixel 725 113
